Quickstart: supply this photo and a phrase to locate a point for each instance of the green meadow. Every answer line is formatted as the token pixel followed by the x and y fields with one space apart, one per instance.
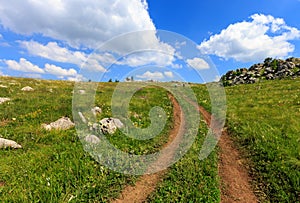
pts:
pixel 262 118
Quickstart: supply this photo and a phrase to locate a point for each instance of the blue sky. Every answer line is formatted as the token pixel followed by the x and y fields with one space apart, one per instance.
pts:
pixel 99 40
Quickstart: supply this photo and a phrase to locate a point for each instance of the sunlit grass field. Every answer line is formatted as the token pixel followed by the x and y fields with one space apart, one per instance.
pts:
pixel 264 120
pixel 53 167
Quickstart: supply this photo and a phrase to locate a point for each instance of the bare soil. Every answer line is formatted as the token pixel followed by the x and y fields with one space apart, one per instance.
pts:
pixel 148 182
pixel 235 185
pixel 235 180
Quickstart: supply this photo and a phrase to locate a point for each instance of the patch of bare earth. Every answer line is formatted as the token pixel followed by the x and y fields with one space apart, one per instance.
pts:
pixel 234 176
pixel 235 185
pixel 2 184
pixel 148 182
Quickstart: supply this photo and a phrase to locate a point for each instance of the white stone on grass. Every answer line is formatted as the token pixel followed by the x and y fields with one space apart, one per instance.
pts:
pixel 63 123
pixel 93 139
pixel 96 110
pixel 3 99
pixel 27 89
pixel 5 143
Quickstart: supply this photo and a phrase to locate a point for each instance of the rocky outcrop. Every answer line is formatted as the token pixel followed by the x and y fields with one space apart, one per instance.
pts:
pixel 270 69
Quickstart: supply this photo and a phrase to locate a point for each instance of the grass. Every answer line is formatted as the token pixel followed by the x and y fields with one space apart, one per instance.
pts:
pixel 264 118
pixel 52 166
pixel 191 179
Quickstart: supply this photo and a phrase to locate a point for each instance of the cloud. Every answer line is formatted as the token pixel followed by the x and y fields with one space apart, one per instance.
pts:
pixel 35 71
pixel 169 74
pixel 147 57
pixel 263 36
pixel 57 53
pixel 151 75
pixel 53 52
pixel 86 23
pixel 23 66
pixel 58 71
pixel 198 63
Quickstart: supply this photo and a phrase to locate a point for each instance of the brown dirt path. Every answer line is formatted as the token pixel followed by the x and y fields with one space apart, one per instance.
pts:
pixel 235 185
pixel 148 182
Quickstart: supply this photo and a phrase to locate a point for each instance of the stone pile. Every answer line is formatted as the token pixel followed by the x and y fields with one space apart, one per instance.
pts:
pixel 271 69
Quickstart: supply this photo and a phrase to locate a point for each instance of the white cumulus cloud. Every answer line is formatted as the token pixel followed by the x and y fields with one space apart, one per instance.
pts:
pixel 169 74
pixel 23 66
pixel 58 71
pixel 198 63
pixel 151 75
pixel 263 36
pixel 88 23
pixel 57 53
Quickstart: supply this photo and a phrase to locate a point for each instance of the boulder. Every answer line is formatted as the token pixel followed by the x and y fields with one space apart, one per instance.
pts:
pixel 93 139
pixel 107 125
pixel 4 143
pixel 4 99
pixel 63 123
pixel 27 89
pixel 96 110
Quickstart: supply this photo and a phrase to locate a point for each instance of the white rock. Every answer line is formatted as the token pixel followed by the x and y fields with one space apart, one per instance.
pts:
pixel 3 86
pixel 82 117
pixel 4 143
pixel 3 99
pixel 93 139
pixel 110 125
pixel 81 91
pixel 63 123
pixel 96 110
pixel 27 89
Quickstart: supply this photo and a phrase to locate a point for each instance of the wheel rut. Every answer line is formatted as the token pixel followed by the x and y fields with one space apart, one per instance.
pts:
pixel 235 181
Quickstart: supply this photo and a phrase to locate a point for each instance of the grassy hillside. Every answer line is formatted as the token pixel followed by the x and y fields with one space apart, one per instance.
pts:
pixel 53 167
pixel 263 118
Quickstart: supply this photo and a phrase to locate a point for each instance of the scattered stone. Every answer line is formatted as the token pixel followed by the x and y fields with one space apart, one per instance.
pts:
pixel 93 139
pixel 3 86
pixel 82 117
pixel 81 91
pixel 63 123
pixel 96 110
pixel 107 125
pixel 4 143
pixel 3 99
pixel 27 89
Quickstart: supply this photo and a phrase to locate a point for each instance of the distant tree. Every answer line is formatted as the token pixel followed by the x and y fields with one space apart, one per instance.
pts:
pixel 110 80
pixel 117 80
